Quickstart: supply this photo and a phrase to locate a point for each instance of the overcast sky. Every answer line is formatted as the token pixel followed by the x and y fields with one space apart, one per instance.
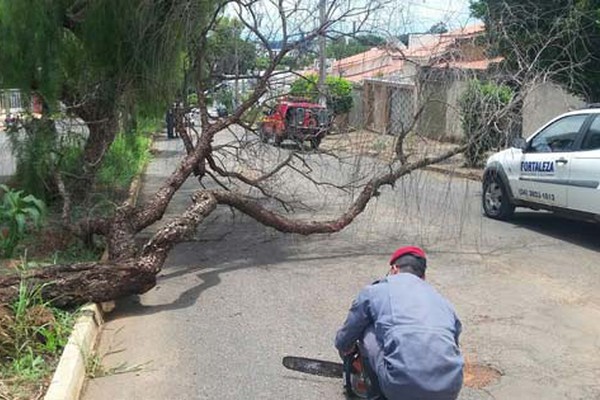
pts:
pixel 424 13
pixel 393 18
pixel 412 16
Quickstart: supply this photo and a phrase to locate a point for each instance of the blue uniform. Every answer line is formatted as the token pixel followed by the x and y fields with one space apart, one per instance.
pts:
pixel 410 333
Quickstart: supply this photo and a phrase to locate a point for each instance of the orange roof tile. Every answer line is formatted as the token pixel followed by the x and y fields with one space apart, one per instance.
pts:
pixel 377 61
pixel 477 64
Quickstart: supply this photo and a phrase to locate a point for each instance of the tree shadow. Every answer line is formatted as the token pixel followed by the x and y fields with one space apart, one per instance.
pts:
pixel 580 233
pixel 228 246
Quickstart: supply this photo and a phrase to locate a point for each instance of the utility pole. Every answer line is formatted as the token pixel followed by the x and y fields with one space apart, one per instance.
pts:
pixel 237 69
pixel 322 46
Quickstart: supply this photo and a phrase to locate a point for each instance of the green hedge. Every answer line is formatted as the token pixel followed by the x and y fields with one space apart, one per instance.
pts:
pixel 486 122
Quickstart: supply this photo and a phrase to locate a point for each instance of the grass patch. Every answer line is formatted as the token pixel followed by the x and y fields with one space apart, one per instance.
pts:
pixel 32 332
pixel 125 159
pixel 95 368
pixel 32 337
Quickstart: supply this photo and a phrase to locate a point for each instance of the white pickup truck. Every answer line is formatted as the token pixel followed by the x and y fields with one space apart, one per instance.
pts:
pixel 557 169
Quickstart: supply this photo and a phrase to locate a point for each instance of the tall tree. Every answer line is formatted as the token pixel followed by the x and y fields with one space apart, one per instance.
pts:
pixel 92 56
pixel 343 47
pixel 236 175
pixel 228 53
pixel 439 27
pixel 558 39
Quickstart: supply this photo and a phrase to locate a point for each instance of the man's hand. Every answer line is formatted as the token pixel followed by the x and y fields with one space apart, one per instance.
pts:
pixel 351 351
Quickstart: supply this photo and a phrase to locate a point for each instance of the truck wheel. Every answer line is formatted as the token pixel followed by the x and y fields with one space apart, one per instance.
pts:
pixel 315 142
pixel 277 139
pixel 263 135
pixel 495 200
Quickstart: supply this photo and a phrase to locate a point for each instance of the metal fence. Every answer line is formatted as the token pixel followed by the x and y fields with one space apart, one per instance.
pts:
pixel 388 107
pixel 10 101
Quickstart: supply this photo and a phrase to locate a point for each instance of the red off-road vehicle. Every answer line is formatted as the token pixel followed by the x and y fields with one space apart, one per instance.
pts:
pixel 297 120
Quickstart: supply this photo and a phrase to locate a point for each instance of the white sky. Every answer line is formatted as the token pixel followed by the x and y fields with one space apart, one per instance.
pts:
pixel 424 13
pixel 393 18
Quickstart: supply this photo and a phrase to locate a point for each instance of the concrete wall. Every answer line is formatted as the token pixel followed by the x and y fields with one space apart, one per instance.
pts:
pixel 380 108
pixel 356 116
pixel 544 102
pixel 432 97
pixel 454 128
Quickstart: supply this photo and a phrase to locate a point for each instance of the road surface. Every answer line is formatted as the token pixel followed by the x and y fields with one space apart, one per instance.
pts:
pixel 236 299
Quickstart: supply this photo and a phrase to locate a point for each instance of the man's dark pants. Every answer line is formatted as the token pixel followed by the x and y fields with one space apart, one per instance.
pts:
pixel 372 356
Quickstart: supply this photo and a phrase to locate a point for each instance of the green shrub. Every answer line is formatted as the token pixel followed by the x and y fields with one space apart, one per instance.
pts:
pixel 224 96
pixel 18 214
pixel 192 99
pixel 40 153
pixel 34 148
pixel 339 92
pixel 487 122
pixel 125 158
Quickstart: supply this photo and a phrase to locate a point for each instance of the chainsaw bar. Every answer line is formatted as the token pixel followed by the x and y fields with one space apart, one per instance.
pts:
pixel 326 369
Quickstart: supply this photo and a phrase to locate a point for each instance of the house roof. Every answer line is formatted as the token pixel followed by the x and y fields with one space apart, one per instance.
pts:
pixel 426 49
pixel 444 41
pixel 475 65
pixel 380 71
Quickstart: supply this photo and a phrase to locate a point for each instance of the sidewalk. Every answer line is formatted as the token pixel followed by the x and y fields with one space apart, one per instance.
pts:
pixel 131 340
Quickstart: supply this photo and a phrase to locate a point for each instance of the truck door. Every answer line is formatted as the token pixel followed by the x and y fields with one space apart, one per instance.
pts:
pixel 584 190
pixel 544 168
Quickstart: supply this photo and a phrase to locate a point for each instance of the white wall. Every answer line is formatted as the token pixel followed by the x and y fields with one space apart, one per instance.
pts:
pixel 544 102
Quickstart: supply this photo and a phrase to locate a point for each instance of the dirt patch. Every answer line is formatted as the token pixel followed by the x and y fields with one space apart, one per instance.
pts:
pixel 367 143
pixel 478 376
pixel 373 144
pixel 47 242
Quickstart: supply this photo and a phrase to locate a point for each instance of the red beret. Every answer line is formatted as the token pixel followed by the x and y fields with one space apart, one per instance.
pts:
pixel 402 251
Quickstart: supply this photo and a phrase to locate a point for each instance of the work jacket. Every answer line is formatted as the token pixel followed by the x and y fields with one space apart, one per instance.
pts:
pixel 417 330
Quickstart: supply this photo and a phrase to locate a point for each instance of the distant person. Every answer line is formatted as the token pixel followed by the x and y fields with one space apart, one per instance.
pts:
pixel 170 120
pixel 407 334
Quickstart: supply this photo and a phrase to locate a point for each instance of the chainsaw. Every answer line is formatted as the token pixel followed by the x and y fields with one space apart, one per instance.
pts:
pixel 352 371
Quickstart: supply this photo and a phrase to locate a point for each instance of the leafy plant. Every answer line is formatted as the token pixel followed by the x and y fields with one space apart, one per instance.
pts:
pixel 34 148
pixel 18 212
pixel 487 123
pixel 29 366
pixel 224 96
pixel 192 99
pixel 338 92
pixel 125 159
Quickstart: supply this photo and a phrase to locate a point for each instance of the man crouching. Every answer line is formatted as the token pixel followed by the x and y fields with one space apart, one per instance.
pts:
pixel 407 334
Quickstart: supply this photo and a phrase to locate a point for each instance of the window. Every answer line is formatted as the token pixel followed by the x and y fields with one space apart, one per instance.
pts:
pixel 592 138
pixel 559 136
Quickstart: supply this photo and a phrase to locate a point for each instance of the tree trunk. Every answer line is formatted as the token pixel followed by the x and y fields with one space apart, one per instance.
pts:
pixel 71 285
pixel 102 134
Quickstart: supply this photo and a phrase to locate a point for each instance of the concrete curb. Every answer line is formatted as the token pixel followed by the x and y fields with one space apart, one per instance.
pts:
pixel 69 377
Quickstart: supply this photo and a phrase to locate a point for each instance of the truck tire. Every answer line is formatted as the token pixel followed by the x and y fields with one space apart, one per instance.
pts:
pixel 277 139
pixel 495 200
pixel 263 135
pixel 315 142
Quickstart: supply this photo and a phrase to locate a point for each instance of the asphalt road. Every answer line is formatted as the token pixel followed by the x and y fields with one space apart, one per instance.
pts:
pixel 238 297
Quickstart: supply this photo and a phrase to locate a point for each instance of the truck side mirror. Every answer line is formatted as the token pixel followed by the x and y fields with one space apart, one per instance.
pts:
pixel 519 143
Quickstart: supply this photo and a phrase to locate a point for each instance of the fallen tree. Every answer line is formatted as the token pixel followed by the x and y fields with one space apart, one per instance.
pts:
pixel 133 270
